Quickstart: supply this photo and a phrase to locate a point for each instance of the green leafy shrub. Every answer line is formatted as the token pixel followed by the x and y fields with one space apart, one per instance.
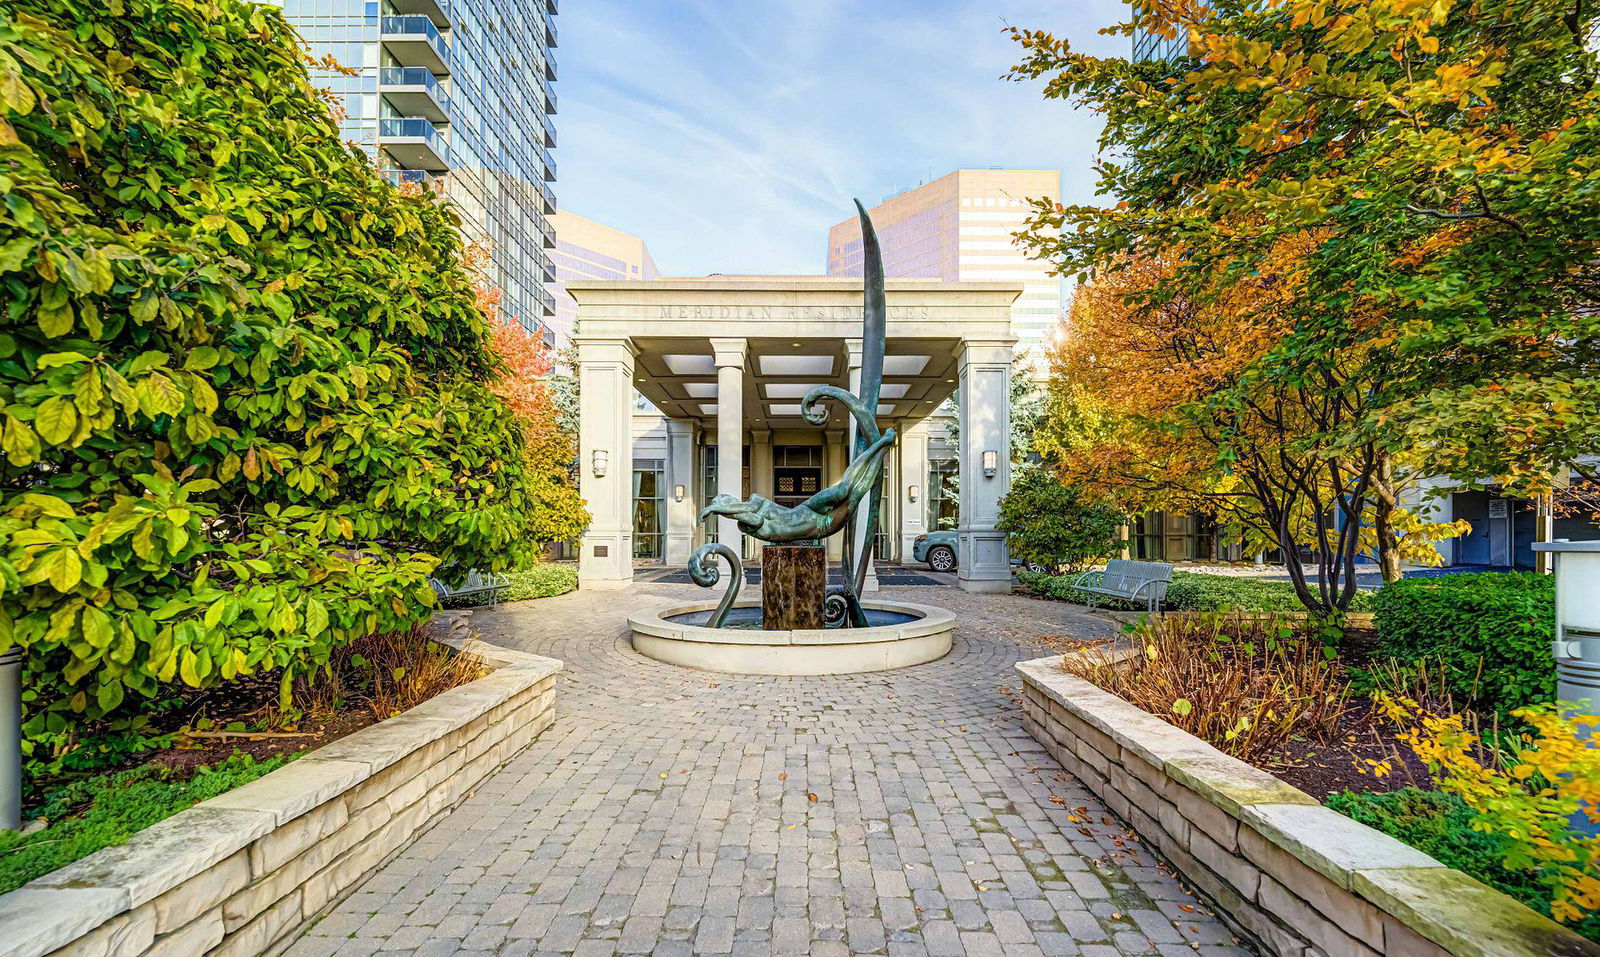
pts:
pixel 107 809
pixel 1049 524
pixel 246 402
pixel 1491 631
pixel 1440 825
pixel 1192 591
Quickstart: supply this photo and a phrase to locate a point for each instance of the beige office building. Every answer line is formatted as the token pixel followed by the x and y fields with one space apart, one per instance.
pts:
pixel 586 250
pixel 959 229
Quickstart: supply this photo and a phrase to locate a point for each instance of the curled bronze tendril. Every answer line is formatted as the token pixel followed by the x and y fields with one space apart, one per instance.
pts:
pixel 706 574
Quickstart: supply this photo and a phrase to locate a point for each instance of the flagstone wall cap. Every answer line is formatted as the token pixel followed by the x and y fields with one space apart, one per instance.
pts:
pixel 1333 845
pixel 165 854
pixel 38 920
pixel 1466 917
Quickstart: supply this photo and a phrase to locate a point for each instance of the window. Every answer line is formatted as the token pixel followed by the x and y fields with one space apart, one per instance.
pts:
pixel 1147 545
pixel 708 486
pixel 944 497
pixel 649 509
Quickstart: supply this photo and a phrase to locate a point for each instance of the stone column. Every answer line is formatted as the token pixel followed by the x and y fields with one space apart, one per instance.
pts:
pixel 730 432
pixel 858 529
pixel 605 418
pixel 833 465
pixel 913 471
pixel 681 471
pixel 760 476
pixel 983 562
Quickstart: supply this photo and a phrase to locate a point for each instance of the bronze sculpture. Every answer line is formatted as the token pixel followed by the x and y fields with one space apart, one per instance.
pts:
pixel 836 508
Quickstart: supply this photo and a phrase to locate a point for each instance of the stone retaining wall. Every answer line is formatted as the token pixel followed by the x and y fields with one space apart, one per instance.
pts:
pixel 1297 878
pixel 241 873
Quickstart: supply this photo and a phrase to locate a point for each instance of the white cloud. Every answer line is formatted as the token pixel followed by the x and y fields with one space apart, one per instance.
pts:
pixel 731 135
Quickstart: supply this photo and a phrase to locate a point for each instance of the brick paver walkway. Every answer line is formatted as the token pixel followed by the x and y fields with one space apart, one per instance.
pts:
pixel 671 811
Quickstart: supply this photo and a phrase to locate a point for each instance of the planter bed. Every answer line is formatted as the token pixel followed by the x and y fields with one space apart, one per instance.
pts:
pixel 240 873
pixel 1294 876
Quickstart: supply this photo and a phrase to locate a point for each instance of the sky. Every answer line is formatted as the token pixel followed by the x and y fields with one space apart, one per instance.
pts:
pixel 730 134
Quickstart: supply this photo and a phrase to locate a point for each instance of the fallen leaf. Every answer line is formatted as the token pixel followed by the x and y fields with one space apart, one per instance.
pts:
pixel 812 797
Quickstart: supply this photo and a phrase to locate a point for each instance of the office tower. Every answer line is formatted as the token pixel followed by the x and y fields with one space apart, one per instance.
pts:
pixel 587 250
pixel 457 94
pixel 959 229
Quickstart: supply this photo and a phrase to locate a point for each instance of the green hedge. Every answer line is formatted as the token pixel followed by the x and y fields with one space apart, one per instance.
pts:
pixel 1491 631
pixel 540 581
pixel 1192 591
pixel 1440 825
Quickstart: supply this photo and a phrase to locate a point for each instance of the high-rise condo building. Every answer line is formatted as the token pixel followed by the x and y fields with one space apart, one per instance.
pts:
pixel 456 93
pixel 587 250
pixel 959 229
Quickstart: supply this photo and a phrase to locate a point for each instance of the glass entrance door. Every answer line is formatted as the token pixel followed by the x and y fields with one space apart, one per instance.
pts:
pixel 796 473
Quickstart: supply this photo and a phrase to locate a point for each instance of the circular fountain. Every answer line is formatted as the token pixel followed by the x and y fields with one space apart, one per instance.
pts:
pixel 898 634
pixel 803 625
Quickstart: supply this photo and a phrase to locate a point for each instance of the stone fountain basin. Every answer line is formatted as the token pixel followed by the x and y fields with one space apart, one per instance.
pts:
pixel 917 634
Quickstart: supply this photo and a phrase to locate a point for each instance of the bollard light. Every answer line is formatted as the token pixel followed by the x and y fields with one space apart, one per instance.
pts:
pixel 601 460
pixel 991 463
pixel 1577 638
pixel 11 738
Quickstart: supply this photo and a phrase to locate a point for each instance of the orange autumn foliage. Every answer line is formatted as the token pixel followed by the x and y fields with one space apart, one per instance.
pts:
pixel 549 451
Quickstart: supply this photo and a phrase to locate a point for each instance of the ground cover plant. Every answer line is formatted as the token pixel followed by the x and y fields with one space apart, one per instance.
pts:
pixel 108 808
pixel 109 786
pixel 249 400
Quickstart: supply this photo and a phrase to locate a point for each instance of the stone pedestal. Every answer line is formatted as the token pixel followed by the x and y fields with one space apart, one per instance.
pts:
pixel 794 582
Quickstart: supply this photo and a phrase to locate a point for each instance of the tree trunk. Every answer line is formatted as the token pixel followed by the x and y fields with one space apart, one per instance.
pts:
pixel 1385 502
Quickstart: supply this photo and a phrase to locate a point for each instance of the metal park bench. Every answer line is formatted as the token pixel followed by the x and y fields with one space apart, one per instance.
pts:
pixel 1129 581
pixel 477 583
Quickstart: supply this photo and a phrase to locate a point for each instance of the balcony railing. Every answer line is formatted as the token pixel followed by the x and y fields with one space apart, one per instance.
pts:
pixel 399 176
pixel 414 143
pixel 419 29
pixel 402 83
pixel 549 196
pixel 408 127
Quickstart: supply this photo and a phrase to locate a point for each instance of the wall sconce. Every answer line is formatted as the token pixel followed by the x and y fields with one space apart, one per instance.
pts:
pixel 991 463
pixel 601 460
pixel 677 493
pixel 911 493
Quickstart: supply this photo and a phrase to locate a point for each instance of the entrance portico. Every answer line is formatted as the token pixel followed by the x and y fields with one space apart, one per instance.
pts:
pixel 726 361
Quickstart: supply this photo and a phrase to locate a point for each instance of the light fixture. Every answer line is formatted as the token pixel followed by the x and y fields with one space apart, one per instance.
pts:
pixel 991 463
pixel 600 461
pixel 677 493
pixel 912 493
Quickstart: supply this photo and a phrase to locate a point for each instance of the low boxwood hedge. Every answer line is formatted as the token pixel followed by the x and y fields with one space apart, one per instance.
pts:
pixel 540 581
pixel 1491 630
pixel 1191 591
